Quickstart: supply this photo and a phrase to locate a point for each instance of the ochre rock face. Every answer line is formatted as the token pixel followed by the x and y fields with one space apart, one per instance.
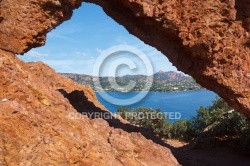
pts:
pixel 36 125
pixel 206 39
pixel 39 124
pixel 24 23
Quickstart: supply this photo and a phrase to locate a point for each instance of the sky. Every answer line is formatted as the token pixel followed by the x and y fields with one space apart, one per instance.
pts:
pixel 75 45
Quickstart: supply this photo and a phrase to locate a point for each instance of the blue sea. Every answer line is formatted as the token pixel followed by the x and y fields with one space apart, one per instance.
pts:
pixel 184 103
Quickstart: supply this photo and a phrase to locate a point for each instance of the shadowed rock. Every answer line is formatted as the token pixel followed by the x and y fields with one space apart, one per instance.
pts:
pixel 39 126
pixel 208 40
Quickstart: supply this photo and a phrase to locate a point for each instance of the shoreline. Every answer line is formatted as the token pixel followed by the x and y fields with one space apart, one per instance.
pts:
pixel 158 91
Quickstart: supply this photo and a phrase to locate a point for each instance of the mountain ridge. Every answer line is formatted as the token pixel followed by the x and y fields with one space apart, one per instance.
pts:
pixel 162 81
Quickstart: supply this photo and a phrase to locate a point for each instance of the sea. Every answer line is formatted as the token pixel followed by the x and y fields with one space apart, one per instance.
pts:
pixel 177 105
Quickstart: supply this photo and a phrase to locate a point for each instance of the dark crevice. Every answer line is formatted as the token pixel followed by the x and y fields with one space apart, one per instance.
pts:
pixel 81 103
pixel 243 13
pixel 7 51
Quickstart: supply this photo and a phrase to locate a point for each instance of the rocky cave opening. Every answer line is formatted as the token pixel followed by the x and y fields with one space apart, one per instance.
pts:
pixel 187 32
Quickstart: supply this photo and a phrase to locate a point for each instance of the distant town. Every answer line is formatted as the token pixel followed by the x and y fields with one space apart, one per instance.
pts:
pixel 162 82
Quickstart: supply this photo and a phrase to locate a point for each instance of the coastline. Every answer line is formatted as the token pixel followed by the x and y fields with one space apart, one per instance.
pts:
pixel 158 91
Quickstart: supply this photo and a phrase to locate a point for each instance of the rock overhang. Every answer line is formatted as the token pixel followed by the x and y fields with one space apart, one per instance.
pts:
pixel 208 40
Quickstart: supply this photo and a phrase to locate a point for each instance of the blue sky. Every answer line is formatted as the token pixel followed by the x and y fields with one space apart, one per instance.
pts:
pixel 74 46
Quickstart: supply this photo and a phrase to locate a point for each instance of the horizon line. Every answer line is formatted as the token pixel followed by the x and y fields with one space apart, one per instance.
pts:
pixel 160 71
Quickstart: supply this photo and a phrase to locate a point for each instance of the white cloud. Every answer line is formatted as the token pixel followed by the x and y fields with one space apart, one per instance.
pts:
pixel 98 50
pixel 80 54
pixel 36 54
pixel 62 37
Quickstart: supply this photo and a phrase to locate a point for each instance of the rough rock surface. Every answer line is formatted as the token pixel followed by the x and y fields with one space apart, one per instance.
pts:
pixel 204 39
pixel 36 125
pixel 24 23
pixel 207 39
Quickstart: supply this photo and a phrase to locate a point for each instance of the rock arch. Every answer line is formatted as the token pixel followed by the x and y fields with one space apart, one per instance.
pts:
pixel 208 39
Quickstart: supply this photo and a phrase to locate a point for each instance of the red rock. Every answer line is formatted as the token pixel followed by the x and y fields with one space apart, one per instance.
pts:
pixel 201 38
pixel 36 125
pixel 205 39
pixel 192 34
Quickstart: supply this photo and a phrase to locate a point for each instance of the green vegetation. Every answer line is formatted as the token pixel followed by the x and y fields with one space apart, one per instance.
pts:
pixel 212 125
pixel 147 118
pixel 162 82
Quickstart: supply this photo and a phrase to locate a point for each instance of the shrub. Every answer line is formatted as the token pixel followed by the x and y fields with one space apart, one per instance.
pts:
pixel 221 122
pixel 180 130
pixel 148 118
pixel 216 121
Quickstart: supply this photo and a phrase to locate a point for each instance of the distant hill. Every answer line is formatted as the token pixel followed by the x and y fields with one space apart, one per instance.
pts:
pixel 162 81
